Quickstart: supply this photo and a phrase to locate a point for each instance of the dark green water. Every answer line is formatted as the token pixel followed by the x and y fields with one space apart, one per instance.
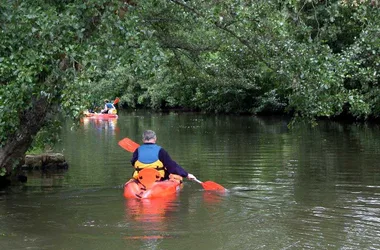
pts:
pixel 300 189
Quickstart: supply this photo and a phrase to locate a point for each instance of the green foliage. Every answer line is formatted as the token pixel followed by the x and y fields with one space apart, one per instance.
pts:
pixel 259 57
pixel 309 58
pixel 44 47
pixel 2 172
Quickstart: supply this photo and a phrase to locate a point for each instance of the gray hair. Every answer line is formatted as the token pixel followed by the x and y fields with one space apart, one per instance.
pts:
pixel 148 135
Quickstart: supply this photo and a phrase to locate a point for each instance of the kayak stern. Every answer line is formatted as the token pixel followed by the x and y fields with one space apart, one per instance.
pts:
pixel 134 189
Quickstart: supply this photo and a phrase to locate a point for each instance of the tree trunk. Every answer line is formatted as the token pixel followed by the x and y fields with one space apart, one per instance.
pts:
pixel 31 121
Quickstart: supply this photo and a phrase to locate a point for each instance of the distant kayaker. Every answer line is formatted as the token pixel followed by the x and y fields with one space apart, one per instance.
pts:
pixel 108 106
pixel 150 155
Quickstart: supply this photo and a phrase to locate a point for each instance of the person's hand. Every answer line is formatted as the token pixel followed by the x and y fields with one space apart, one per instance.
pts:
pixel 191 177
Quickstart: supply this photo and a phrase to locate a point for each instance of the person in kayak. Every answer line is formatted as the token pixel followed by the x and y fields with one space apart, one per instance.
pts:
pixel 108 106
pixel 150 155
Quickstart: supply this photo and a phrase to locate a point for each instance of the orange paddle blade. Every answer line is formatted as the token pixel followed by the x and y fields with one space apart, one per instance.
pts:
pixel 116 100
pixel 210 185
pixel 128 145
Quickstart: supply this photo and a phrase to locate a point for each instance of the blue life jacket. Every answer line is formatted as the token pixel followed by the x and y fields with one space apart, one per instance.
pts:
pixel 109 105
pixel 148 158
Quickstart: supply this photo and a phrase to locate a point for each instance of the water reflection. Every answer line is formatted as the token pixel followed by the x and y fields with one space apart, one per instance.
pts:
pixel 213 197
pixel 150 218
pixel 150 210
pixel 308 188
pixel 46 179
pixel 109 125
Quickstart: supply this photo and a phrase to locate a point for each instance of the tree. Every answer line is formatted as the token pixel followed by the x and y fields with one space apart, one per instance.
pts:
pixel 310 59
pixel 48 51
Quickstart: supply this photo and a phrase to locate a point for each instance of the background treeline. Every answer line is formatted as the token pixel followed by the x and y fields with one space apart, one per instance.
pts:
pixel 307 58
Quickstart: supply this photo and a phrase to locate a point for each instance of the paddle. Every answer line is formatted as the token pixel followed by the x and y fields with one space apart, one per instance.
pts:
pixel 116 101
pixel 128 145
pixel 131 146
pixel 210 185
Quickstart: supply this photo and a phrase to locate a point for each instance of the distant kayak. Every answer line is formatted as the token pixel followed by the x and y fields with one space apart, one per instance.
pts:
pixel 148 186
pixel 100 115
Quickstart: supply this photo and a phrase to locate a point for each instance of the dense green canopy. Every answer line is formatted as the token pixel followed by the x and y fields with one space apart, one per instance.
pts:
pixel 308 58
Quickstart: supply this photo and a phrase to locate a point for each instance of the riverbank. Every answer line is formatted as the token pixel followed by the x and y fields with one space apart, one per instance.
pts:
pixel 34 162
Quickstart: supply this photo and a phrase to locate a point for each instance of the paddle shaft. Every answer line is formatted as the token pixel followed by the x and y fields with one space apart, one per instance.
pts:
pixel 197 181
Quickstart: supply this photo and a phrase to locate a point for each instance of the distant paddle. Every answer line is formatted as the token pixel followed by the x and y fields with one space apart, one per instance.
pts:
pixel 131 146
pixel 116 101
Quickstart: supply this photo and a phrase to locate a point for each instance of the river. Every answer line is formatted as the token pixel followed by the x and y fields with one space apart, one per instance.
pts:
pixel 305 188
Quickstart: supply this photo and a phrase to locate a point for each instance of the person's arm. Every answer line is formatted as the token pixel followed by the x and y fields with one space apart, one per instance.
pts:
pixel 171 166
pixel 134 158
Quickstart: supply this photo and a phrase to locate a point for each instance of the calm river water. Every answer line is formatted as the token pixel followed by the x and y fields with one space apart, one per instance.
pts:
pixel 287 189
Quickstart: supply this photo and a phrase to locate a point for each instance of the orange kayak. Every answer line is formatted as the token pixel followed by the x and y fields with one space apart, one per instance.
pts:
pixel 148 185
pixel 100 116
pixel 134 189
